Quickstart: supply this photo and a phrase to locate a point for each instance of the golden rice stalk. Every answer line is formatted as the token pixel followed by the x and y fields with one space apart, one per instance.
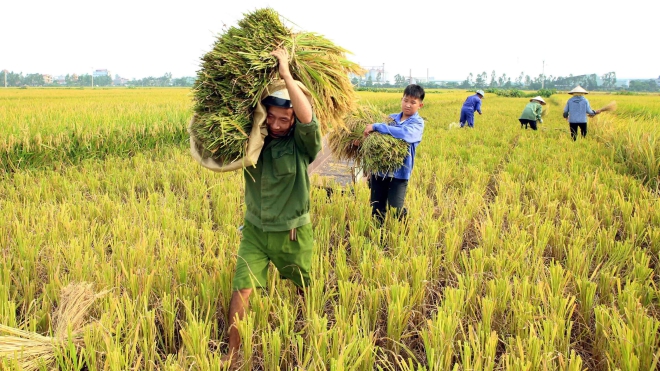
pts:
pixel 29 350
pixel 33 351
pixel 545 110
pixel 609 107
pixel 75 302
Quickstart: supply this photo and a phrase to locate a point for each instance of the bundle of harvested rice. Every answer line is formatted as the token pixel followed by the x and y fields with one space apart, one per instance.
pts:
pixel 375 153
pixel 238 69
pixel 609 107
pixel 545 110
pixel 31 351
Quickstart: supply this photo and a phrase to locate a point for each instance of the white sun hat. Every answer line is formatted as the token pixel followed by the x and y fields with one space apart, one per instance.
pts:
pixel 481 92
pixel 279 98
pixel 578 90
pixel 538 99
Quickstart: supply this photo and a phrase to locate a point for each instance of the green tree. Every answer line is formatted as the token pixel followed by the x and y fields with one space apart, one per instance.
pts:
pixel 85 80
pixel 399 80
pixel 493 80
pixel 370 82
pixel 501 80
pixel 609 80
pixel 519 80
pixel 480 81
pixel 34 79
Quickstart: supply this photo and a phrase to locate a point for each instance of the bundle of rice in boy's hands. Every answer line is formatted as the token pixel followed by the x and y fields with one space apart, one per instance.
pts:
pixel 228 127
pixel 375 153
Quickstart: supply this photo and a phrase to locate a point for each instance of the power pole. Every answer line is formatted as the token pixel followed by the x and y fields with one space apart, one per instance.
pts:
pixel 410 76
pixel 5 72
pixel 383 75
pixel 543 73
pixel 92 77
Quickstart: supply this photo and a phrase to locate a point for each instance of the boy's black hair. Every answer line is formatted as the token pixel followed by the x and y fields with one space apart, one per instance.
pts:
pixel 415 91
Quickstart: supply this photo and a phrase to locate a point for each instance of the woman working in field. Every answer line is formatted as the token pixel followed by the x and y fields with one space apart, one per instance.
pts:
pixel 576 111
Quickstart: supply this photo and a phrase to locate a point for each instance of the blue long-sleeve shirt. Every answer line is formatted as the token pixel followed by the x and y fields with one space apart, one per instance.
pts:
pixel 411 131
pixel 577 108
pixel 472 103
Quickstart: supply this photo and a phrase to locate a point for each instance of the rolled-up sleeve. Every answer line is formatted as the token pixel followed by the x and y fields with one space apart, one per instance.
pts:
pixel 308 137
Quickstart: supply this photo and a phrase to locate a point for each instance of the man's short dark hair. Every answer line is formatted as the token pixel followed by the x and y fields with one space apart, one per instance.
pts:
pixel 415 91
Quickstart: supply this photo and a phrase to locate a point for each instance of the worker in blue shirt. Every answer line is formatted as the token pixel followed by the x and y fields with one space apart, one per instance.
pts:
pixel 576 110
pixel 472 103
pixel 389 189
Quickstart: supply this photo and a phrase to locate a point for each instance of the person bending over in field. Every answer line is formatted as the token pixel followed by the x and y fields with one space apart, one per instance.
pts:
pixel 532 113
pixel 471 104
pixel 277 225
pixel 389 189
pixel 576 111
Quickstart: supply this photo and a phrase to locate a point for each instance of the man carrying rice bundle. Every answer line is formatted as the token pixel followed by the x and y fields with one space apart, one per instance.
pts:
pixel 471 104
pixel 576 111
pixel 277 222
pixel 532 113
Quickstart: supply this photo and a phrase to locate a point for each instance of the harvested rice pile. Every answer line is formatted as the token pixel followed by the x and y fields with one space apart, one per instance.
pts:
pixel 235 73
pixel 30 351
pixel 377 152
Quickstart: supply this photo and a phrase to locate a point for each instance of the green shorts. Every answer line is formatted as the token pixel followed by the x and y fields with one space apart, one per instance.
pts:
pixel 293 259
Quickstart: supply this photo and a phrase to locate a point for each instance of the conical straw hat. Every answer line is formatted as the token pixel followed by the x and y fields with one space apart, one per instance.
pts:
pixel 578 90
pixel 538 99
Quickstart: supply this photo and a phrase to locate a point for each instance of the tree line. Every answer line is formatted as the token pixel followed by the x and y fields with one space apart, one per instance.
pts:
pixel 14 79
pixel 522 82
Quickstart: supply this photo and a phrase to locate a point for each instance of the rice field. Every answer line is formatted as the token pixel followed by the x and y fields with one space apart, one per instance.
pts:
pixel 523 250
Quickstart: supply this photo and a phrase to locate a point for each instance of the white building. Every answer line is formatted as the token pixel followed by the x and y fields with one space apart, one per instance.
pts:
pixel 100 73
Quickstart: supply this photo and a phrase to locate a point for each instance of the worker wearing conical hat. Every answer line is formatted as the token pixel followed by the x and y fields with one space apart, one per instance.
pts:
pixel 532 113
pixel 576 111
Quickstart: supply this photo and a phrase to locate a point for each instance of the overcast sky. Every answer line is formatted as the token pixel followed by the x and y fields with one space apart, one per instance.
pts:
pixel 450 39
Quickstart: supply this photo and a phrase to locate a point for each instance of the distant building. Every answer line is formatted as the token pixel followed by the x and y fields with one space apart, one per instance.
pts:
pixel 420 80
pixel 120 81
pixel 377 74
pixel 48 79
pixel 101 73
pixel 60 80
pixel 442 82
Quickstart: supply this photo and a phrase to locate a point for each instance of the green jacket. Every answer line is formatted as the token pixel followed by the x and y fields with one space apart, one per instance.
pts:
pixel 532 111
pixel 277 188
